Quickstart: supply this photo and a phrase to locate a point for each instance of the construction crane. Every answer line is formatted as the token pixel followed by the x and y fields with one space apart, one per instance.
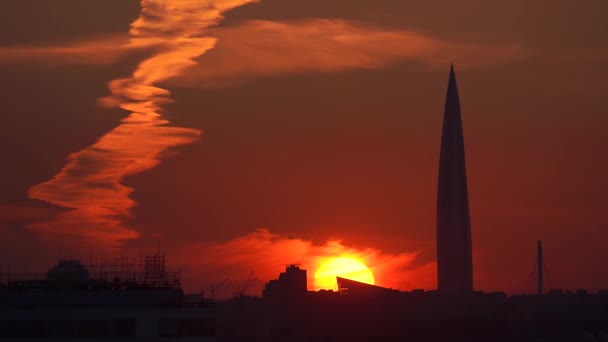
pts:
pixel 245 286
pixel 217 287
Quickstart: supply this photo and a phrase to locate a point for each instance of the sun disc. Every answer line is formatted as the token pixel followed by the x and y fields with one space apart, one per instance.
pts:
pixel 349 268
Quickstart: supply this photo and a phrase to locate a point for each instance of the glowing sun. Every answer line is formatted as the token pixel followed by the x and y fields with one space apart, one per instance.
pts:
pixel 325 277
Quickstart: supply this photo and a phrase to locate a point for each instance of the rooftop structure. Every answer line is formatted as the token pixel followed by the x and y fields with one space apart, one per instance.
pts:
pixel 98 273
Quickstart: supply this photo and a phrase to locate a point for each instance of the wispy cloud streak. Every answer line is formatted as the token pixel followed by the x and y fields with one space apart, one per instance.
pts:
pixel 90 185
pixel 258 48
pixel 265 48
pixel 90 52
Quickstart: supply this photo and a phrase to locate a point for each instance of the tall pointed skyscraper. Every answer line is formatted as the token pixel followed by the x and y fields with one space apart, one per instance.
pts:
pixel 454 259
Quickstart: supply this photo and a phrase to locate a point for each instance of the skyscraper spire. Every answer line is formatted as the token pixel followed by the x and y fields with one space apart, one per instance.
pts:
pixel 454 257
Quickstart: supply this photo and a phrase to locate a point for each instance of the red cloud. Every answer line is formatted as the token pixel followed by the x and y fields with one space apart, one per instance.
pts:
pixel 267 254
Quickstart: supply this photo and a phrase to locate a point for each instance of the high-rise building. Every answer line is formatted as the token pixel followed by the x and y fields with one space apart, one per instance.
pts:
pixel 291 283
pixel 454 259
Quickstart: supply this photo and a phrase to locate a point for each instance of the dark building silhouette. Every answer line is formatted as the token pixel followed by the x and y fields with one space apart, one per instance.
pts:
pixel 454 260
pixel 291 283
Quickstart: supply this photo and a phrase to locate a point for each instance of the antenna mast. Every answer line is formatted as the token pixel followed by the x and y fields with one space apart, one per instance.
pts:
pixel 539 271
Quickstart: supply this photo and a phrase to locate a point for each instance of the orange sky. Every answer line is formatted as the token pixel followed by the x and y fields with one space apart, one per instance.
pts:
pixel 321 125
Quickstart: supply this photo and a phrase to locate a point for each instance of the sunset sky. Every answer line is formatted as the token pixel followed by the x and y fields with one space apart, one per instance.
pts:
pixel 245 135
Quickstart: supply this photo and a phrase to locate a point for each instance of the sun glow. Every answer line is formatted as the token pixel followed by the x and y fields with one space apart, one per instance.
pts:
pixel 325 277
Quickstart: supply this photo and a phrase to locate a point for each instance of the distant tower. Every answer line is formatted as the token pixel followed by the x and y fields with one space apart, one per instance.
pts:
pixel 454 259
pixel 539 267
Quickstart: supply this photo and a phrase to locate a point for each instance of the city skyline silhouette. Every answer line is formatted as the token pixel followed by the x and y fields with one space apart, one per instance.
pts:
pixel 260 171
